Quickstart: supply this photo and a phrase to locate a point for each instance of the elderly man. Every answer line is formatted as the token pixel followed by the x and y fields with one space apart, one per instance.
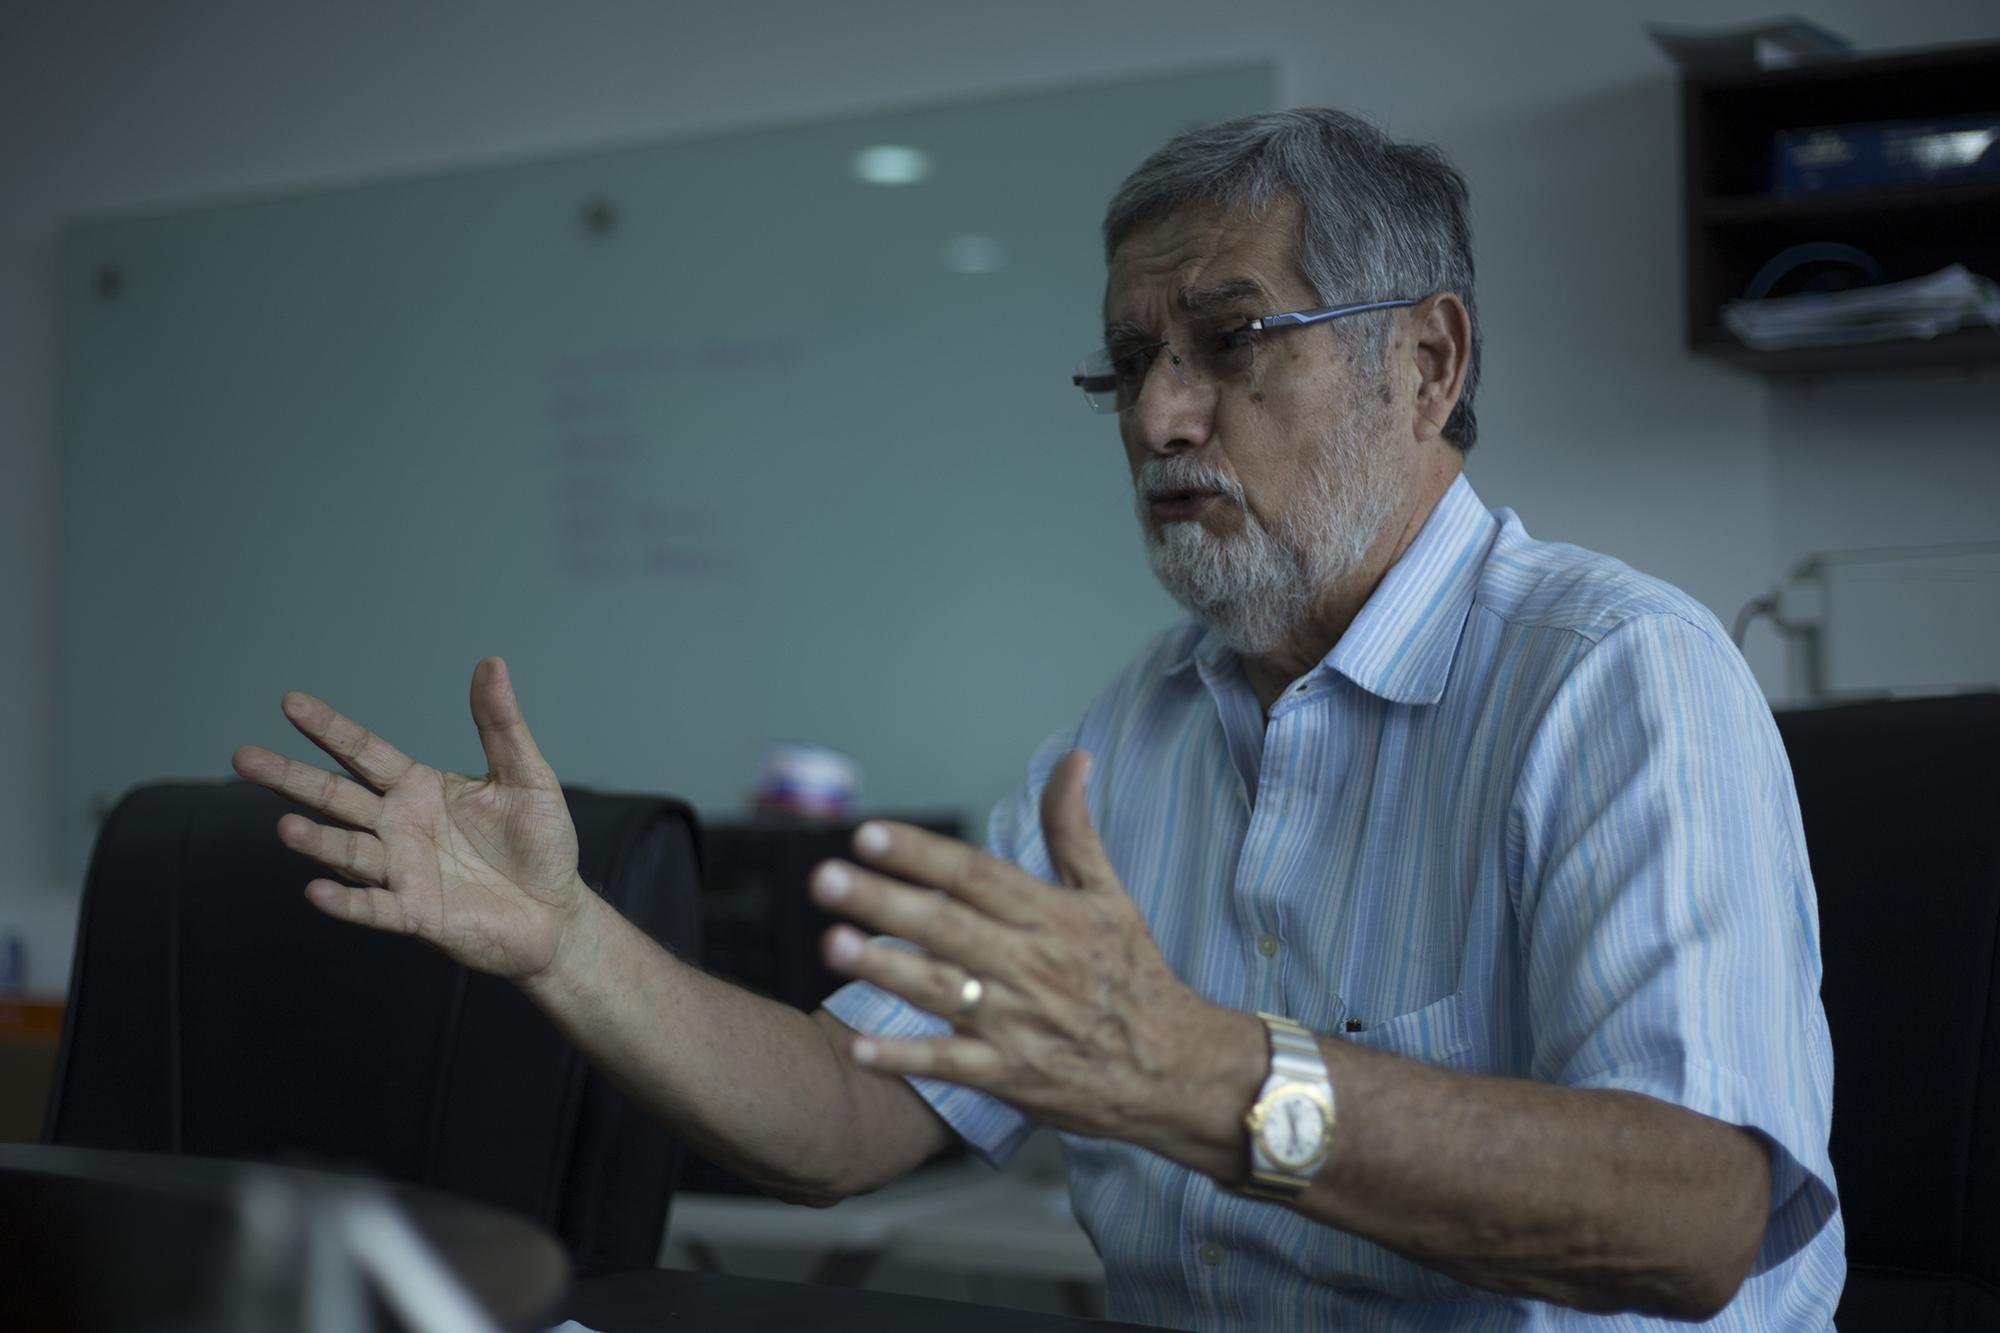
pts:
pixel 1420 936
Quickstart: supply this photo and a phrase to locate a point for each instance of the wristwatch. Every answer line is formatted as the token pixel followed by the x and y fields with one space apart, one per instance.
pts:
pixel 1291 1122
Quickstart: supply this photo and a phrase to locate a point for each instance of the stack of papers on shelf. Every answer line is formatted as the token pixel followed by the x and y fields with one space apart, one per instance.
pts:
pixel 1771 43
pixel 1920 308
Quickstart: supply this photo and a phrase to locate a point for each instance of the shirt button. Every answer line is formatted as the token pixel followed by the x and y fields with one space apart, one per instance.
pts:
pixel 1267 944
pixel 1211 1254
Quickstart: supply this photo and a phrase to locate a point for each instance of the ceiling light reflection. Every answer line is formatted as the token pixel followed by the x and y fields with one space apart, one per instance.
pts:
pixel 892 164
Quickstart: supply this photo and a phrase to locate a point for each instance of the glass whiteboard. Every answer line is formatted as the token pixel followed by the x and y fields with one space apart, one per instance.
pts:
pixel 714 441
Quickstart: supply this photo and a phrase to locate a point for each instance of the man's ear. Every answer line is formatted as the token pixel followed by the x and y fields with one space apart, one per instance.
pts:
pixel 1440 346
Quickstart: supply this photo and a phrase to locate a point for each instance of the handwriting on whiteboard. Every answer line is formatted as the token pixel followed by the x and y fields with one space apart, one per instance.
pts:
pixel 603 524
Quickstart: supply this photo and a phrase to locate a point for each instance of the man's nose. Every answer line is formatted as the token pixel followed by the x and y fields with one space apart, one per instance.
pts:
pixel 1175 411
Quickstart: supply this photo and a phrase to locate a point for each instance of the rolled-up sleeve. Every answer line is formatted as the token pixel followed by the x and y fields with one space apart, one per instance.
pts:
pixel 1671 931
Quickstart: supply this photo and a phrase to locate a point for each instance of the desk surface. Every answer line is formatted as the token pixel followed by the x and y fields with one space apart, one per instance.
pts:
pixel 959 1215
pixel 665 1301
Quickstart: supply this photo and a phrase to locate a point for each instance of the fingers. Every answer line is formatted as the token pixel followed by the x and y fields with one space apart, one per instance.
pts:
pixel 997 888
pixel 315 788
pixel 928 983
pixel 956 1059
pixel 934 922
pixel 511 753
pixel 1074 849
pixel 359 750
pixel 347 853
pixel 375 908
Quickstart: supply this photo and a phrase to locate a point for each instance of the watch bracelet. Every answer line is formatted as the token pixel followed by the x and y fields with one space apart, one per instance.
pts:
pixel 1294 1053
pixel 1266 1185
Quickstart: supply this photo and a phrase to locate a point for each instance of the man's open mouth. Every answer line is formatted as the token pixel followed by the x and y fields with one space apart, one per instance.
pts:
pixel 1177 506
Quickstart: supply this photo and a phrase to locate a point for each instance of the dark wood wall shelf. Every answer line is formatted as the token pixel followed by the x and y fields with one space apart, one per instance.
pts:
pixel 1733 224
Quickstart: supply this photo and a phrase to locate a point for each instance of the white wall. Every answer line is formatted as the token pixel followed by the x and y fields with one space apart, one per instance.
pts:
pixel 1597 427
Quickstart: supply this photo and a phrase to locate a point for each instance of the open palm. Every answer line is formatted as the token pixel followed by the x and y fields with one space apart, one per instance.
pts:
pixel 483 868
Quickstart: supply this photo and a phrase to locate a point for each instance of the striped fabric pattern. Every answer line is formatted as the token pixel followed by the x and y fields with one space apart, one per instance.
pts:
pixel 1530 817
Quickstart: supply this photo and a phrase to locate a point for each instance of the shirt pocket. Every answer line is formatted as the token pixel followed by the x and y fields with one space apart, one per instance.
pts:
pixel 1440 1033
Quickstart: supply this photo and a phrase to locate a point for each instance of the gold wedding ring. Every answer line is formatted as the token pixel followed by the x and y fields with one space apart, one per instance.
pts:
pixel 970 993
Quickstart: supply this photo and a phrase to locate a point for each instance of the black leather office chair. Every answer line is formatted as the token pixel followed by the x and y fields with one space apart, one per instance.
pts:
pixel 213 1011
pixel 1902 816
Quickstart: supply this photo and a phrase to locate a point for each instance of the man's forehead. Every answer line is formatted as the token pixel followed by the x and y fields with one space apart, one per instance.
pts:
pixel 1189 263
pixel 1209 298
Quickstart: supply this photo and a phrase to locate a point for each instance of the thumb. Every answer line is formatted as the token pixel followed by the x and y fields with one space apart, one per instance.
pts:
pixel 1078 856
pixel 511 754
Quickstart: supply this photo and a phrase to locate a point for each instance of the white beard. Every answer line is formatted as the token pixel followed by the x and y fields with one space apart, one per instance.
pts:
pixel 1254 588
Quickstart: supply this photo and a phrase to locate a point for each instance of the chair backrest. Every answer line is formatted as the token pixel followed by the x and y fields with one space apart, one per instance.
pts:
pixel 213 1011
pixel 1901 802
pixel 761 930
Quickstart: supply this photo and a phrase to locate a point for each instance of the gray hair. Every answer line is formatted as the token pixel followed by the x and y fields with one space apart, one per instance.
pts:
pixel 1377 219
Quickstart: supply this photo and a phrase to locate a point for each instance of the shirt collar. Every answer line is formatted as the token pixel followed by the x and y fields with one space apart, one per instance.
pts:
pixel 1402 644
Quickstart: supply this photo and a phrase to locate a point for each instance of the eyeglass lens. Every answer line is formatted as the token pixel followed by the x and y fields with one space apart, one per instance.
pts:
pixel 1205 353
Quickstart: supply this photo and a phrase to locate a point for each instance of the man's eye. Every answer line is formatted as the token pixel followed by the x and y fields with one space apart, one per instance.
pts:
pixel 1230 348
pixel 1129 363
pixel 1234 338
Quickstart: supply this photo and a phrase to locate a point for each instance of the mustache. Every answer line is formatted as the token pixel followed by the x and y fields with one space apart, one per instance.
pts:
pixel 1178 474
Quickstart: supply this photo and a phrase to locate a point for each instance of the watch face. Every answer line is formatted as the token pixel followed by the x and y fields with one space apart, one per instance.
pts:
pixel 1294 1131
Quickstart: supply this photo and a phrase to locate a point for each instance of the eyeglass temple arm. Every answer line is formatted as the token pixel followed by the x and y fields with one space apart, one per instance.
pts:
pixel 1326 312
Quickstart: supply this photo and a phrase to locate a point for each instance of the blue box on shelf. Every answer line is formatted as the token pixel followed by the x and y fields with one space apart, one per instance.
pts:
pixel 1827 158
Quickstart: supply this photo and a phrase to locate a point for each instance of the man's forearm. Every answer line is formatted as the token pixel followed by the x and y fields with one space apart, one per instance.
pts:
pixel 756 1086
pixel 1597 1199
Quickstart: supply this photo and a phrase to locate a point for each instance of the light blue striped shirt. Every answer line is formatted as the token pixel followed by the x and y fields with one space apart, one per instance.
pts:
pixel 1530 817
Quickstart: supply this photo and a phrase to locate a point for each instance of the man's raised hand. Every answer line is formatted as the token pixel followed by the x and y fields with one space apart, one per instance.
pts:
pixel 483 868
pixel 1077 1019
